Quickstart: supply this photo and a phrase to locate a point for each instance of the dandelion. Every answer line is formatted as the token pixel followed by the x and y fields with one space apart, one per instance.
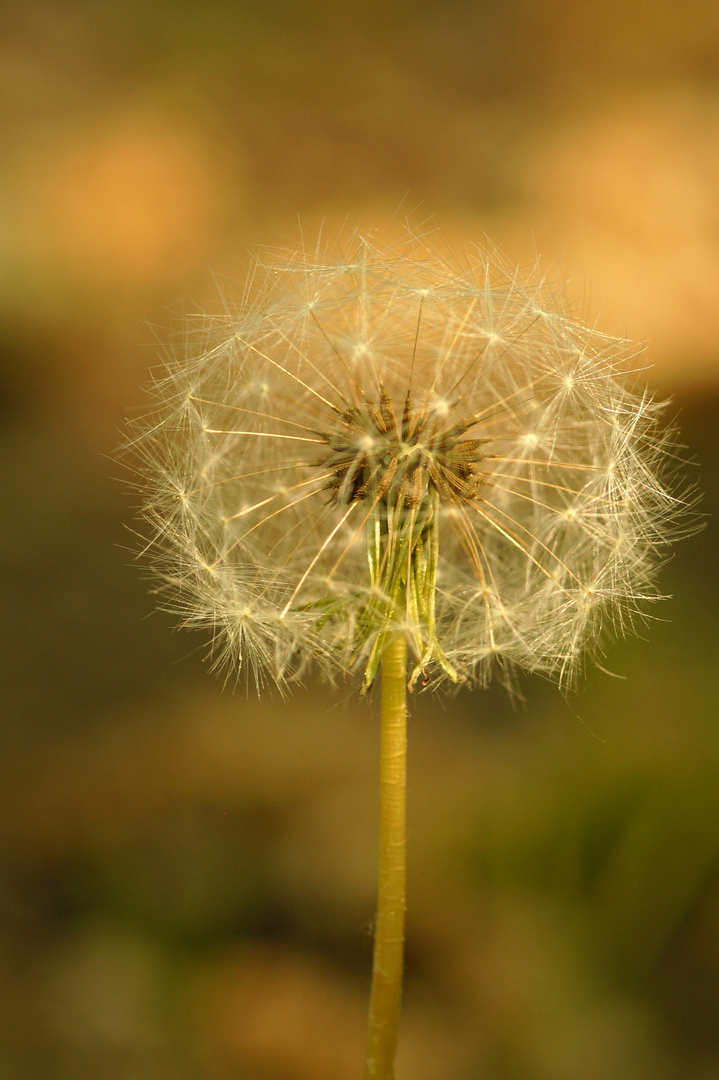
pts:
pixel 397 458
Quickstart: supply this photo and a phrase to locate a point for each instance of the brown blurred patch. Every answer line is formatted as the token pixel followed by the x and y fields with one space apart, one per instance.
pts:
pixel 272 1013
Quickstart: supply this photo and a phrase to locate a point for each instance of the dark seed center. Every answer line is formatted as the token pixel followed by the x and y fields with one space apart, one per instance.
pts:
pixel 372 456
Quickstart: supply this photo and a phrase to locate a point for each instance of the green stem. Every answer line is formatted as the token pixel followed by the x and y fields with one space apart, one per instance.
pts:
pixel 388 961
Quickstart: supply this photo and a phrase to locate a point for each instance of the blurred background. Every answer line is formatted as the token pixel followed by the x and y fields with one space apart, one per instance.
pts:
pixel 187 875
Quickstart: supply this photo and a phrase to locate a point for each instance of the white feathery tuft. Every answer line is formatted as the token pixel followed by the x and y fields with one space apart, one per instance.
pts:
pixel 389 438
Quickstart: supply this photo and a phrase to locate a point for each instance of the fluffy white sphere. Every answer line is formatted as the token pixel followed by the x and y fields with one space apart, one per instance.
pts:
pixel 394 439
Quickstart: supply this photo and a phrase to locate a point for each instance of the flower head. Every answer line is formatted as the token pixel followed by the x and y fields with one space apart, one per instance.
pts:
pixel 385 440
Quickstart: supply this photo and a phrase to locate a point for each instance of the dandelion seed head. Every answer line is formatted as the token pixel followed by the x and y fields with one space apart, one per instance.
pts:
pixel 397 439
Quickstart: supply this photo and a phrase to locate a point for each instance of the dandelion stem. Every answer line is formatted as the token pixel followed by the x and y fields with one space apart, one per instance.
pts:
pixel 387 967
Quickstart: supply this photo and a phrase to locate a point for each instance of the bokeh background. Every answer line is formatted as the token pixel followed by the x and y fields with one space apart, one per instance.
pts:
pixel 187 878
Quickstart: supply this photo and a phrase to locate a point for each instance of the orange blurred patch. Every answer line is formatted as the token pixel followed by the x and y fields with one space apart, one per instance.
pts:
pixel 129 203
pixel 631 195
